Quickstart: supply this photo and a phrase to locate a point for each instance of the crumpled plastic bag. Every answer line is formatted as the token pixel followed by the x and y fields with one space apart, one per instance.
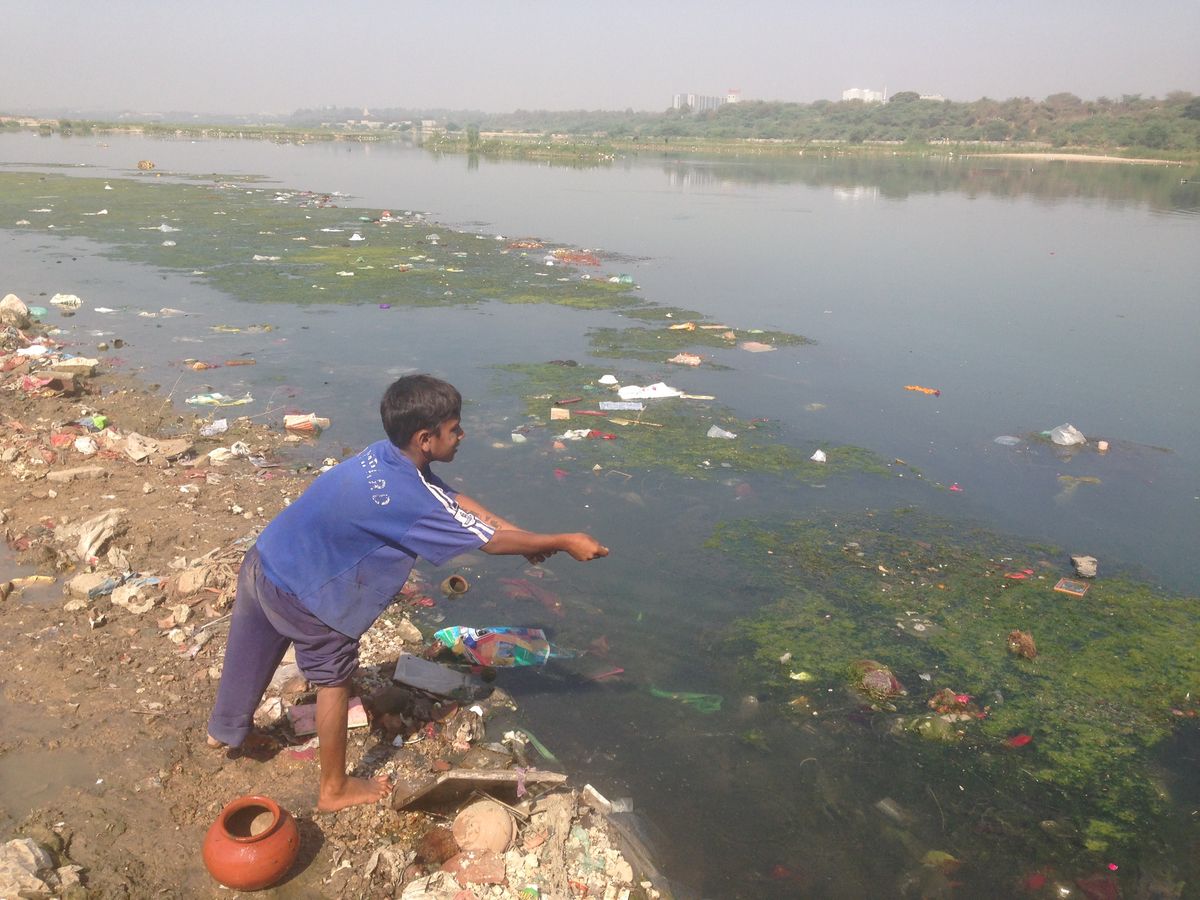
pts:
pixel 1067 435
pixel 92 533
pixel 654 391
pixel 438 886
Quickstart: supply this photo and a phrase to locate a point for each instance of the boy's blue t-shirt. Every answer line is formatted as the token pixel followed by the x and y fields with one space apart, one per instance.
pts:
pixel 346 545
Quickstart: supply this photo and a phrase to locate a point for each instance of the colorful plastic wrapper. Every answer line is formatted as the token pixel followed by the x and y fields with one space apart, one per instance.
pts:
pixel 501 645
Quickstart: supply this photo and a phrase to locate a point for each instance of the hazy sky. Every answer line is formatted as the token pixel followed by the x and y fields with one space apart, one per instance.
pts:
pixel 247 56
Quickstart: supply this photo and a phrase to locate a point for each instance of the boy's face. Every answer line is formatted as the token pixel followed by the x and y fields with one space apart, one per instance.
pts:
pixel 443 443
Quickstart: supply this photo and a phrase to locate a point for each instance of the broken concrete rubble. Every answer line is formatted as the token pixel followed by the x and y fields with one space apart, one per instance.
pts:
pixel 13 312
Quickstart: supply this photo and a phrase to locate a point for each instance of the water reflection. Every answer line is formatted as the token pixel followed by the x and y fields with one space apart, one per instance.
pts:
pixel 1161 188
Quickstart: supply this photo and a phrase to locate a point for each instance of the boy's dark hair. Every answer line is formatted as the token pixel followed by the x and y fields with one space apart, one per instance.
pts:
pixel 415 402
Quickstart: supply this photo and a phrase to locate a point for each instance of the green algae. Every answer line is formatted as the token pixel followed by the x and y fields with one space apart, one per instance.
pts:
pixel 669 434
pixel 658 344
pixel 267 245
pixel 926 597
pixel 676 330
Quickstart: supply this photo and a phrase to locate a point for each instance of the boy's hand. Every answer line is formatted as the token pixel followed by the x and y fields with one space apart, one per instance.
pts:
pixel 583 547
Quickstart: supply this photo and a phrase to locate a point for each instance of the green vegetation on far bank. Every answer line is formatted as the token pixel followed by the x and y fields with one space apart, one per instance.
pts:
pixel 1131 126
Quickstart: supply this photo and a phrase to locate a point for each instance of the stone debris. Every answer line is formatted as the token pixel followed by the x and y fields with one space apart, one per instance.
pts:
pixel 1085 566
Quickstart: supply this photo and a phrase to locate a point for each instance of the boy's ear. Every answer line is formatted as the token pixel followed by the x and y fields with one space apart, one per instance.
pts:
pixel 420 436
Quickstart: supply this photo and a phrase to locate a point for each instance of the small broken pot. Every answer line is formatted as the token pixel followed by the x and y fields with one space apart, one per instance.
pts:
pixel 455 586
pixel 252 845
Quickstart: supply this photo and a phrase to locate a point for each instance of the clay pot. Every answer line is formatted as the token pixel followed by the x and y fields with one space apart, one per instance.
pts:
pixel 252 844
pixel 485 826
pixel 455 586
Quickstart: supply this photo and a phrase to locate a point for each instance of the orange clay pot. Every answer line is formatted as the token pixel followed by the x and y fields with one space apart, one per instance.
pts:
pixel 252 844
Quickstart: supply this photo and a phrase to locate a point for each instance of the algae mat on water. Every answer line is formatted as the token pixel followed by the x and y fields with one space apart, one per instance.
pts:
pixel 268 245
pixel 263 244
pixel 669 434
pixel 1073 738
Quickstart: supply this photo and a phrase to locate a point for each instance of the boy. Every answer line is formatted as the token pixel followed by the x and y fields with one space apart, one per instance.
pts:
pixel 325 568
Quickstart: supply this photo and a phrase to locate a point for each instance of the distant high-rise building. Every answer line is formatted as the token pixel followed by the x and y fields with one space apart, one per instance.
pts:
pixel 702 103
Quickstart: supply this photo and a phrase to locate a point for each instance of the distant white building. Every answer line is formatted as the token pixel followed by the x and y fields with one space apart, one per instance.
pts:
pixel 865 95
pixel 702 103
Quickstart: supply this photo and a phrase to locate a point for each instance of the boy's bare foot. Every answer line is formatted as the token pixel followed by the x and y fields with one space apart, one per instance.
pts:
pixel 353 792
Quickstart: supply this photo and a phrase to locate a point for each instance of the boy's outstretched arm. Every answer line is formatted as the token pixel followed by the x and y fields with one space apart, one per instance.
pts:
pixel 484 514
pixel 515 542
pixel 479 511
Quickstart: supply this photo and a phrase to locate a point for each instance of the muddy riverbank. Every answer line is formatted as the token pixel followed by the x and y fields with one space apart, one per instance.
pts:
pixel 125 522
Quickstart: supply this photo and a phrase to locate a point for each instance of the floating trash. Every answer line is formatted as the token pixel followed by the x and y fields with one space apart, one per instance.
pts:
pixel 502 645
pixel 218 399
pixel 702 703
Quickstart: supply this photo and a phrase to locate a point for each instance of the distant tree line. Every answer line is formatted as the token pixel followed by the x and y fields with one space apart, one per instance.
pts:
pixel 1060 120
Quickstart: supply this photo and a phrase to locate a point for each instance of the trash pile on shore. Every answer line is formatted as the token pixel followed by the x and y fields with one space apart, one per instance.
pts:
pixel 140 517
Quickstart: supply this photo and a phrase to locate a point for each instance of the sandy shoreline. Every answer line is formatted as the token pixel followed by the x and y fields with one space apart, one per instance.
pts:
pixel 1080 157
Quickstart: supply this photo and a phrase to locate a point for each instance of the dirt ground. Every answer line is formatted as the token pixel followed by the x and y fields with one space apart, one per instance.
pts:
pixel 105 689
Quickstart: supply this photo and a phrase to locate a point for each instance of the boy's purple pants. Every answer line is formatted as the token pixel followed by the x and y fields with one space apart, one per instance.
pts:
pixel 265 620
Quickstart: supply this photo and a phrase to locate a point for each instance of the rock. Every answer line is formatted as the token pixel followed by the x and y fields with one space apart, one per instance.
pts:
pixel 936 728
pixel 77 365
pixel 476 868
pixel 68 877
pixel 21 860
pixel 83 583
pixel 1085 566
pixel 14 312
pixel 288 679
pixel 616 868
pixel 876 681
pixel 269 712
pixel 192 580
pixel 65 475
pixel 408 632
pixel 130 597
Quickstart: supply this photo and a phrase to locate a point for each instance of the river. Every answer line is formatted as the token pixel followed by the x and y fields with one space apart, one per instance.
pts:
pixel 1028 293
